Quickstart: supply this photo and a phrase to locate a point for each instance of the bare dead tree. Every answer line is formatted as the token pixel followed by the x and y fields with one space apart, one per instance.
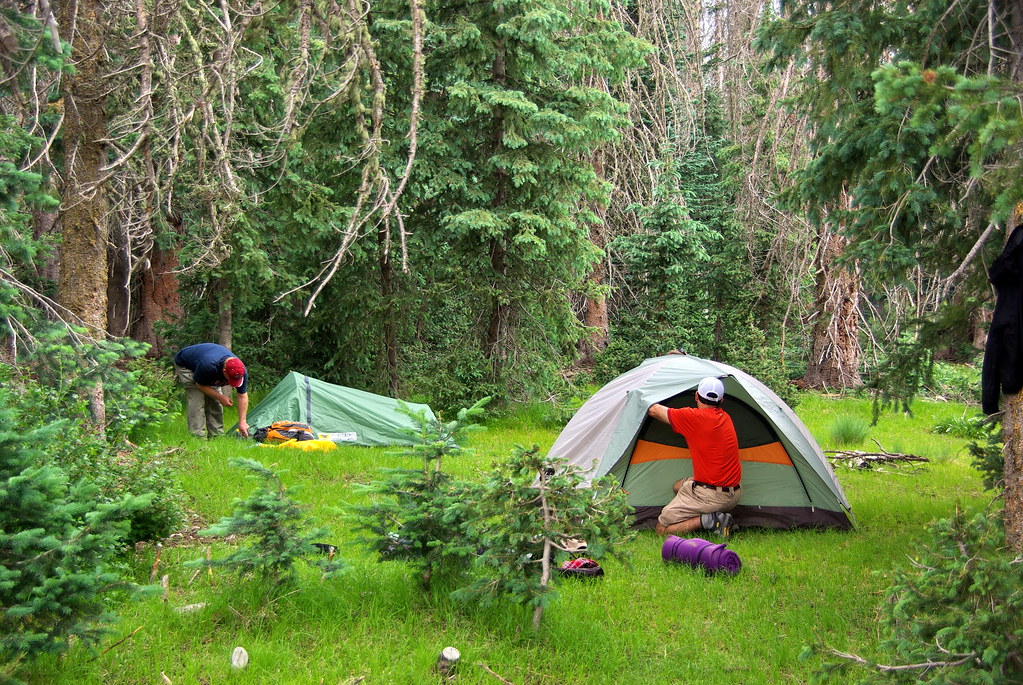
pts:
pixel 376 204
pixel 699 47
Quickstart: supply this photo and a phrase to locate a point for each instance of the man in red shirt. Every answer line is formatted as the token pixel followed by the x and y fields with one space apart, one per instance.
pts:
pixel 704 500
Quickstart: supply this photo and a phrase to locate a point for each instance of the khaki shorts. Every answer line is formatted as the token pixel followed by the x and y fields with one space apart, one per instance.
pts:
pixel 693 500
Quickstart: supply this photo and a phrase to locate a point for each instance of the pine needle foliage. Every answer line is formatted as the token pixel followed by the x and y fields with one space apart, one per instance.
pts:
pixel 418 515
pixel 57 547
pixel 955 616
pixel 276 528
pixel 530 508
pixel 988 455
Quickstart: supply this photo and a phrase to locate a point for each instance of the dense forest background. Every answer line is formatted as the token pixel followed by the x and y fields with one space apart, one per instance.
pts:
pixel 446 199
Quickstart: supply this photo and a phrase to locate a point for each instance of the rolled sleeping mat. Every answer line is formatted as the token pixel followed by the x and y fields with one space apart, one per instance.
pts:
pixel 701 554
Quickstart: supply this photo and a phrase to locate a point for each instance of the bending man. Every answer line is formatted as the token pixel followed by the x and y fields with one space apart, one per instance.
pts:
pixel 704 500
pixel 203 369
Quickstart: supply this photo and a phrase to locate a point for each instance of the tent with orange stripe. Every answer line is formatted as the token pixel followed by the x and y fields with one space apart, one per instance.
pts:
pixel 786 481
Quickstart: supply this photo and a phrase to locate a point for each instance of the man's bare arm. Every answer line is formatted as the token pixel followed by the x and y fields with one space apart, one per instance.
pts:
pixel 243 410
pixel 659 412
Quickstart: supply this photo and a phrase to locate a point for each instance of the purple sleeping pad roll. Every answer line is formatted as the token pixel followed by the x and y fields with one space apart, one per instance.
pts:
pixel 701 554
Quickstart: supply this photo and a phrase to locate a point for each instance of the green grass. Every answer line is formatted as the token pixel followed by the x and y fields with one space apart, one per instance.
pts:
pixel 648 622
pixel 848 431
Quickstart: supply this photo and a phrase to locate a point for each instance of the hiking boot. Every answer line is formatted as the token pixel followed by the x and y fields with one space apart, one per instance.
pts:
pixel 719 521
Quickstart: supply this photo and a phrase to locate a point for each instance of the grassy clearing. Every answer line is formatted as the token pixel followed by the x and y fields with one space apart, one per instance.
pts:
pixel 647 622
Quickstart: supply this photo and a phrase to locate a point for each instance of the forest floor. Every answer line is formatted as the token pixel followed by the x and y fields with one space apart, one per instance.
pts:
pixel 643 622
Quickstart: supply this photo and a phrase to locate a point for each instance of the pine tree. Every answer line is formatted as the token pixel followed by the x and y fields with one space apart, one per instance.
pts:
pixel 56 546
pixel 420 514
pixel 273 529
pixel 530 509
pixel 918 119
pixel 504 175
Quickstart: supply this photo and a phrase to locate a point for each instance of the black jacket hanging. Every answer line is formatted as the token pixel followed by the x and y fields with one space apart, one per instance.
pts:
pixel 1003 356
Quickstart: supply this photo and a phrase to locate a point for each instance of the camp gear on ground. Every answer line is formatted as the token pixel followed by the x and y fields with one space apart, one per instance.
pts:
pixel 374 419
pixel 313 445
pixel 283 431
pixel 574 546
pixel 581 567
pixel 700 553
pixel 786 480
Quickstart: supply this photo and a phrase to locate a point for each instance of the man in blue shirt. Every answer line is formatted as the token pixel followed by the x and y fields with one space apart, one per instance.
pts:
pixel 203 369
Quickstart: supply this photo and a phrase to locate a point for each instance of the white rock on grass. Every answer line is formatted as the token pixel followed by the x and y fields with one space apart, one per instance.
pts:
pixel 239 657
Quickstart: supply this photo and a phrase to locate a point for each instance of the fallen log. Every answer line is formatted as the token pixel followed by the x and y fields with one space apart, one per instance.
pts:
pixel 866 460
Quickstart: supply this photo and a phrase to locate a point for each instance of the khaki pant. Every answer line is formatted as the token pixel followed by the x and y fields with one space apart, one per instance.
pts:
pixel 205 416
pixel 693 500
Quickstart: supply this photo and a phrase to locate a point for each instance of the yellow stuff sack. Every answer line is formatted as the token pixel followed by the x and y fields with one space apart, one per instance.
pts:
pixel 307 445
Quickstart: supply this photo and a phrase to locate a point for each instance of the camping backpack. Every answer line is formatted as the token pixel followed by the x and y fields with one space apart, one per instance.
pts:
pixel 282 431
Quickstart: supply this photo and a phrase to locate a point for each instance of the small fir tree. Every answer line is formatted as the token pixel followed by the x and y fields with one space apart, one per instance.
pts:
pixel 274 523
pixel 420 514
pixel 56 547
pixel 530 509
pixel 955 616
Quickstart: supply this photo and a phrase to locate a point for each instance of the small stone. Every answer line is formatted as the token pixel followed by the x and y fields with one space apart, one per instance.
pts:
pixel 190 608
pixel 239 657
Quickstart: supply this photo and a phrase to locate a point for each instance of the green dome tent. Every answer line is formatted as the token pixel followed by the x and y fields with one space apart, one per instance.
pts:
pixel 786 481
pixel 350 415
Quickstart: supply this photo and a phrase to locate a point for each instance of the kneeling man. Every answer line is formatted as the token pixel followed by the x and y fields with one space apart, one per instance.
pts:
pixel 704 500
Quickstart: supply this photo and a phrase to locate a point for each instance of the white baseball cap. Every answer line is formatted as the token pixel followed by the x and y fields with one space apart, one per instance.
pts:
pixel 711 389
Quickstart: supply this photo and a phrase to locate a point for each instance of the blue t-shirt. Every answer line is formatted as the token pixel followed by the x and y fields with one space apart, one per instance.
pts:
pixel 206 362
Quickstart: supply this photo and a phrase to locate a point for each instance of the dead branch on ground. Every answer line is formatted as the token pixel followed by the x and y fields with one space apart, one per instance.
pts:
pixel 866 460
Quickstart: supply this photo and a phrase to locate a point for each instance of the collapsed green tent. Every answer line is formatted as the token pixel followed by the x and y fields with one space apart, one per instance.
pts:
pixel 786 480
pixel 348 415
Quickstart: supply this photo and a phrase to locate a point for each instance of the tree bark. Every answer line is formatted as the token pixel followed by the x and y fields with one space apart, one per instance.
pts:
pixel 1012 450
pixel 158 300
pixel 835 352
pixel 82 282
pixel 1012 437
pixel 498 319
pixel 118 282
pixel 45 223
pixel 387 298
pixel 225 315
pixel 595 317
pixel 498 322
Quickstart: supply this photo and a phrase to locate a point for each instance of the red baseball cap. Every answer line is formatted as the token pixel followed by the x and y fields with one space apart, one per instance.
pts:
pixel 235 371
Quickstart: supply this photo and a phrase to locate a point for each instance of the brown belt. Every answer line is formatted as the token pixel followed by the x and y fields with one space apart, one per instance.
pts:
pixel 727 489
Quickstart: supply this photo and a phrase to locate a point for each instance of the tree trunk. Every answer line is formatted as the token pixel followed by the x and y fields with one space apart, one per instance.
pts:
pixel 387 298
pixel 835 352
pixel 595 317
pixel 980 322
pixel 118 283
pixel 158 300
pixel 82 283
pixel 44 223
pixel 1012 439
pixel 498 320
pixel 225 315
pixel 595 304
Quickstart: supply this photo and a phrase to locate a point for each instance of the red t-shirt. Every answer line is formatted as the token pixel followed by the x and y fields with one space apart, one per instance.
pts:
pixel 712 443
